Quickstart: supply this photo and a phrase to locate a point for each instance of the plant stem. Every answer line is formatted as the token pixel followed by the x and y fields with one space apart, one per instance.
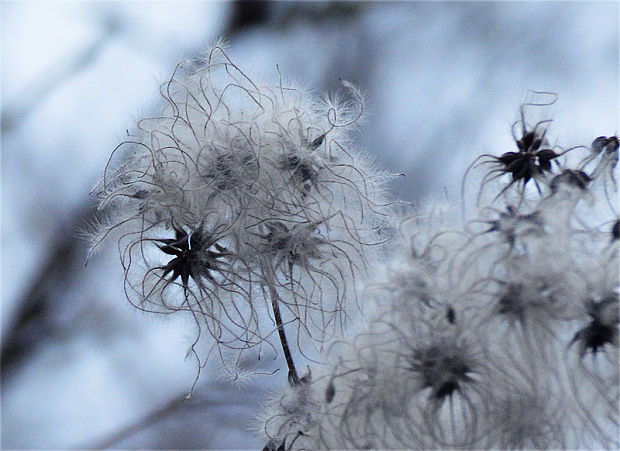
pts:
pixel 293 377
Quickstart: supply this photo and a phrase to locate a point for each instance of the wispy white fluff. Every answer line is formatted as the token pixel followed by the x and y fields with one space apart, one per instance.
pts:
pixel 498 334
pixel 239 193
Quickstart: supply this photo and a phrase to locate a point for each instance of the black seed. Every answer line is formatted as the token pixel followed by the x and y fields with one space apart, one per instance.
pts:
pixel 510 303
pixel 525 143
pixel 612 144
pixel 451 315
pixel 442 369
pixel 596 335
pixel 602 328
pixel 273 445
pixel 192 257
pixel 599 144
pixel 140 194
pixel 317 142
pixel 445 389
pixel 330 392
pixel 509 158
pixel 571 177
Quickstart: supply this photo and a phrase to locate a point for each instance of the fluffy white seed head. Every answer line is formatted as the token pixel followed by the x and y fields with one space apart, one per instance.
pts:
pixel 237 193
pixel 502 334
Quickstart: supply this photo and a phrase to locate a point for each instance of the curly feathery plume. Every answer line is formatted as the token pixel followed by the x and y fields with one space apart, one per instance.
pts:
pixel 501 334
pixel 245 205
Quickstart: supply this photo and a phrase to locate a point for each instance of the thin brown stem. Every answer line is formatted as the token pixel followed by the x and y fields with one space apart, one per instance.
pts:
pixel 293 377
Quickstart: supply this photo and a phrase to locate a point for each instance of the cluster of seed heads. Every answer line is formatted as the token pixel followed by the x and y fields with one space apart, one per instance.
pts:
pixel 247 207
pixel 236 197
pixel 502 334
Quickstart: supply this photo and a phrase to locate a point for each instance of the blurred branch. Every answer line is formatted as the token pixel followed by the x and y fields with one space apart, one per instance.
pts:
pixel 176 405
pixel 34 321
pixel 163 412
pixel 246 14
pixel 320 12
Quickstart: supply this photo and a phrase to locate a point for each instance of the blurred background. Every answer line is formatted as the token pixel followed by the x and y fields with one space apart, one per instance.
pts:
pixel 80 367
